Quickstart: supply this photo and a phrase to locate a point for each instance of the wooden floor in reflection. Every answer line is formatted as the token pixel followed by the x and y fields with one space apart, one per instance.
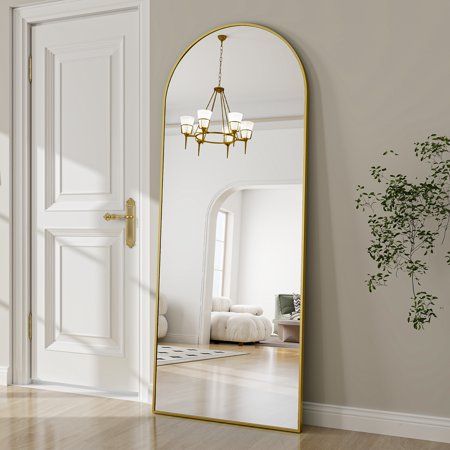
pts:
pixel 260 387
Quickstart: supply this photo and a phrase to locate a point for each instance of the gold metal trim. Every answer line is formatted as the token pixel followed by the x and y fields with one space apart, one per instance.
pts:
pixel 130 221
pixel 303 249
pixel 30 326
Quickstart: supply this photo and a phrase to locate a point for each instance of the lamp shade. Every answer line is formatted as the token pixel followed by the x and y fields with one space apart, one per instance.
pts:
pixel 187 123
pixel 204 116
pixel 234 120
pixel 246 129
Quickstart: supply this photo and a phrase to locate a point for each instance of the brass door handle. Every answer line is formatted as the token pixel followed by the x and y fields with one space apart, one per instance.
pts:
pixel 130 220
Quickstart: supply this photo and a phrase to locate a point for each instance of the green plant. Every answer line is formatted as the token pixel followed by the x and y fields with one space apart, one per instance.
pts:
pixel 406 219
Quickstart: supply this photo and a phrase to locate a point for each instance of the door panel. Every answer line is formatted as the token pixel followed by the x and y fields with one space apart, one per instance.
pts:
pixel 85 161
pixel 84 145
pixel 84 317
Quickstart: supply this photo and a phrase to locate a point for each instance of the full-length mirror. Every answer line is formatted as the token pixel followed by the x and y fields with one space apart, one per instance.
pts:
pixel 230 294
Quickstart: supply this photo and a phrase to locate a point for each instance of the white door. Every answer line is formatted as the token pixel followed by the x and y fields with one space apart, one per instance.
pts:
pixel 85 162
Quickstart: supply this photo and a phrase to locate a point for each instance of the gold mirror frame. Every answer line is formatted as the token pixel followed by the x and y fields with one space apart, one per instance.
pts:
pixel 303 249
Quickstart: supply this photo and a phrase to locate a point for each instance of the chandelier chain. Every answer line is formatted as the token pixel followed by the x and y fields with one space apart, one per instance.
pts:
pixel 220 63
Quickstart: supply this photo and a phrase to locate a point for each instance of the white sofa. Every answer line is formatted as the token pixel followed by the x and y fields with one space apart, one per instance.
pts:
pixel 238 323
pixel 162 321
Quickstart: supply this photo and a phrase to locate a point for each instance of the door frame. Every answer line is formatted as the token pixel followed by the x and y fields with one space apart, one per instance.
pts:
pixel 23 18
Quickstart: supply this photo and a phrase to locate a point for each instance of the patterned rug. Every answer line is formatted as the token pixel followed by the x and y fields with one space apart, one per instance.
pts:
pixel 168 354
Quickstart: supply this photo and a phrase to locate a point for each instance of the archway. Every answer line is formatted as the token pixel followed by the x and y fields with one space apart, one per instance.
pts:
pixel 209 247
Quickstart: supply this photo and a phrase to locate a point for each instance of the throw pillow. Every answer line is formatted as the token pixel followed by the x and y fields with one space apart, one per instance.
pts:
pixel 296 299
pixel 286 303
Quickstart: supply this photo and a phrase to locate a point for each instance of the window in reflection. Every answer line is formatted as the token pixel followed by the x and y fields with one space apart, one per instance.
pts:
pixel 221 253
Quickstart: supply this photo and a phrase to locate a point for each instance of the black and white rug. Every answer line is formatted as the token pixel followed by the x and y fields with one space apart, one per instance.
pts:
pixel 168 354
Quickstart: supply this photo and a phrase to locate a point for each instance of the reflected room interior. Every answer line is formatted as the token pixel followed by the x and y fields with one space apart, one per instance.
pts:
pixel 231 258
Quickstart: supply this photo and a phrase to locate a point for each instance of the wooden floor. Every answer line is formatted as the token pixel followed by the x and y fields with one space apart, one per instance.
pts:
pixel 259 387
pixel 36 419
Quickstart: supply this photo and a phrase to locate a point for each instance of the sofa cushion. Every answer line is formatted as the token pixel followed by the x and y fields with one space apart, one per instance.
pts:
pixel 162 326
pixel 221 304
pixel 239 327
pixel 162 305
pixel 251 309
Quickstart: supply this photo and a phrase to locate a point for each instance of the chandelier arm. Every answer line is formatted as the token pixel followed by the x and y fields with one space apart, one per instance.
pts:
pixel 221 110
pixel 226 102
pixel 224 115
pixel 210 99
pixel 214 100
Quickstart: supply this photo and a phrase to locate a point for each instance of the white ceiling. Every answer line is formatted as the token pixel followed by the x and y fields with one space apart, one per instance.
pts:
pixel 260 74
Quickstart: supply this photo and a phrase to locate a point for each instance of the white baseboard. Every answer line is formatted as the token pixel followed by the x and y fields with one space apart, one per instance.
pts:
pixel 80 390
pixel 180 338
pixel 5 376
pixel 413 426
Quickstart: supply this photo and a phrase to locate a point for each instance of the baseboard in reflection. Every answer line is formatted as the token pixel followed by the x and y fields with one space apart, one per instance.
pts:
pixel 180 338
pixel 413 426
pixel 5 376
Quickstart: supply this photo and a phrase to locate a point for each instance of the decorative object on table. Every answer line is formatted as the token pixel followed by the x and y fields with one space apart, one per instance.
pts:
pixel 232 128
pixel 169 354
pixel 406 219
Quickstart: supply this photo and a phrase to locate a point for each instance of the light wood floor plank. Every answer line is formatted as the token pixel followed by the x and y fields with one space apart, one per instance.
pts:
pixel 32 419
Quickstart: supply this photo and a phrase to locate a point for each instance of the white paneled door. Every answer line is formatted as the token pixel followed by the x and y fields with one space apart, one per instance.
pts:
pixel 85 162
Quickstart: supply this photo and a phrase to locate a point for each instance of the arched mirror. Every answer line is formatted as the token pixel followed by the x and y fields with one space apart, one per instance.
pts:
pixel 230 312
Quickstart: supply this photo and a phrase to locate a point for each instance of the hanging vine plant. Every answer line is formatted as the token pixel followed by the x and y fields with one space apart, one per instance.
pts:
pixel 406 220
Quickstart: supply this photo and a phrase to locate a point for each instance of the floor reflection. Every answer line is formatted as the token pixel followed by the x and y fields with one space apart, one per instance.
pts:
pixel 259 386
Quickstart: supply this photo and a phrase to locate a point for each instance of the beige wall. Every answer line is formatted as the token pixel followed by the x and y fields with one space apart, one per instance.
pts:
pixel 379 76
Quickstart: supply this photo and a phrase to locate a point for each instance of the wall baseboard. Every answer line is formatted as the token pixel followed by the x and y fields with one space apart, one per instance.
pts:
pixel 180 338
pixel 413 426
pixel 5 376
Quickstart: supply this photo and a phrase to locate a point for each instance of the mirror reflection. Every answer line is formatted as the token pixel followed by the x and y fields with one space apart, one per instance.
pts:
pixel 232 218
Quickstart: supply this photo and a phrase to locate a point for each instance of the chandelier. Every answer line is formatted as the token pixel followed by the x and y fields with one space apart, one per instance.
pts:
pixel 231 127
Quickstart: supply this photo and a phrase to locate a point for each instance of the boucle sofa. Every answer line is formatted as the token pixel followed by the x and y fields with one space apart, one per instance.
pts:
pixel 238 323
pixel 162 321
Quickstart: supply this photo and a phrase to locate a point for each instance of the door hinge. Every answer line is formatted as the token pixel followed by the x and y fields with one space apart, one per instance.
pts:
pixel 30 326
pixel 30 68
